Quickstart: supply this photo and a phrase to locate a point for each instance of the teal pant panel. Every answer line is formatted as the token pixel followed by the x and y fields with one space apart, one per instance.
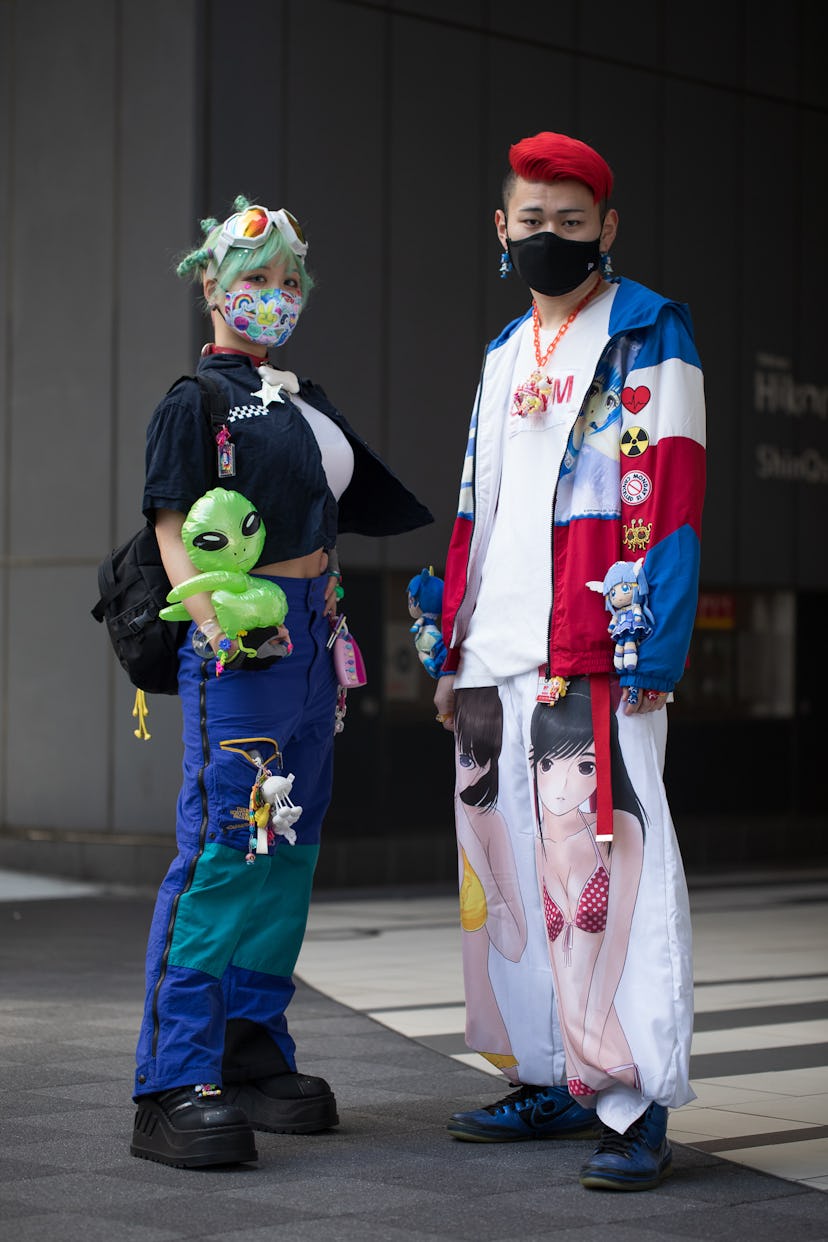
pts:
pixel 276 924
pixel 253 916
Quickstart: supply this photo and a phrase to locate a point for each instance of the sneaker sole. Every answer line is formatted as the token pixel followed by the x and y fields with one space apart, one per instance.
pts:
pixel 486 1136
pixel 603 1181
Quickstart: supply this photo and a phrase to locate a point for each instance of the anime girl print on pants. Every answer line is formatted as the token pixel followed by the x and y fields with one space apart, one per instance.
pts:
pixel 588 888
pixel 491 908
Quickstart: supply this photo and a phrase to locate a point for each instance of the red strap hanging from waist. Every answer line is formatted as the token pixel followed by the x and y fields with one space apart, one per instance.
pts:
pixel 599 693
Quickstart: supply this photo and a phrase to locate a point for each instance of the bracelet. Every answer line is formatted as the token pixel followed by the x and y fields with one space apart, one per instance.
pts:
pixel 210 627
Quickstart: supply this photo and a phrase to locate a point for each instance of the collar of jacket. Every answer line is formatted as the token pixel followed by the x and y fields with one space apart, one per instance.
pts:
pixel 634 306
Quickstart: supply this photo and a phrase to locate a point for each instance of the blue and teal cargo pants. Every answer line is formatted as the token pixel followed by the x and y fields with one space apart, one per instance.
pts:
pixel 226 934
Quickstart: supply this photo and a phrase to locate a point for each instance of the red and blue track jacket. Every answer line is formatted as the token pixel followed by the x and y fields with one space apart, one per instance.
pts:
pixel 631 484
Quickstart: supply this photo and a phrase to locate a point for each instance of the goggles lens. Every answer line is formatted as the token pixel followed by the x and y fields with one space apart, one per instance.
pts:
pixel 255 222
pixel 295 225
pixel 252 227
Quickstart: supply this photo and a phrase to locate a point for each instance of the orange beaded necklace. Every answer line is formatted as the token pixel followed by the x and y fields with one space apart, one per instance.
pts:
pixel 531 396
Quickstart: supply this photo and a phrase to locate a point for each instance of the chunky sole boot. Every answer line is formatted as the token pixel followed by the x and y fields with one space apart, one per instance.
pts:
pixel 285 1103
pixel 529 1113
pixel 639 1159
pixel 190 1130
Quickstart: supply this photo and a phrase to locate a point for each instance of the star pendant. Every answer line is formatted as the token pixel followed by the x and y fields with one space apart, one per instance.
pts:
pixel 269 391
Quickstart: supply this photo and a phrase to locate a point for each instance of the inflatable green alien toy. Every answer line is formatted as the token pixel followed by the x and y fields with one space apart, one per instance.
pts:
pixel 224 536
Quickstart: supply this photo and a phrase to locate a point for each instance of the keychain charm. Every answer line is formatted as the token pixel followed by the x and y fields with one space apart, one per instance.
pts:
pixel 226 454
pixel 551 689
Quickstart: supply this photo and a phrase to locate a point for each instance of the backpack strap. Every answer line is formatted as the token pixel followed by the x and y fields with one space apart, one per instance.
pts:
pixel 215 405
pixel 214 401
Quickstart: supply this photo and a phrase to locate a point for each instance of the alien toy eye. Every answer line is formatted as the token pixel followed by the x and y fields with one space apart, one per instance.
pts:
pixel 210 541
pixel 251 524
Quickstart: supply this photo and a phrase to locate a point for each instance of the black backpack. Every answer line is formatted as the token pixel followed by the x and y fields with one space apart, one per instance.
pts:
pixel 134 585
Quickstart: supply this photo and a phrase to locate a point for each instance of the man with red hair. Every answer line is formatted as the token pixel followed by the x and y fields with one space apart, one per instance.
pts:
pixel 581 494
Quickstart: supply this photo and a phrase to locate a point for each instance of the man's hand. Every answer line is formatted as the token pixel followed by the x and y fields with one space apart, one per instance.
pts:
pixel 444 701
pixel 648 701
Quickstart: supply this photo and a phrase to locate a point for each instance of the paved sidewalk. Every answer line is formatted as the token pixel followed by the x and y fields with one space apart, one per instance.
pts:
pixel 69 1009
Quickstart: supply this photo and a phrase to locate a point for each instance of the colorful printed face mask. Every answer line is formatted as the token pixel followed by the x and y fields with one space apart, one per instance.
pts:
pixel 265 316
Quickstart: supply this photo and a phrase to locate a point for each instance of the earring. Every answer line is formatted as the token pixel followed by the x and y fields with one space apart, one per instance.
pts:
pixel 606 265
pixel 505 264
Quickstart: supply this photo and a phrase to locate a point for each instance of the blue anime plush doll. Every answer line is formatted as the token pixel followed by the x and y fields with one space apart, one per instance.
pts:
pixel 425 603
pixel 625 592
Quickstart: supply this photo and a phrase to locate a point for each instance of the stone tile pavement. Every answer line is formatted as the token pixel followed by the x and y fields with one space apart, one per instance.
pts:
pixel 71 972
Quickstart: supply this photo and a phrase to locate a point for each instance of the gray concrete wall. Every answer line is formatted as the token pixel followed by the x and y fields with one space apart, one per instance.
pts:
pixel 384 127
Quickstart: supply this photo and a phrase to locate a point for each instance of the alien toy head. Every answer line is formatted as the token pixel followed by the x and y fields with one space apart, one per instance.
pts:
pixel 223 531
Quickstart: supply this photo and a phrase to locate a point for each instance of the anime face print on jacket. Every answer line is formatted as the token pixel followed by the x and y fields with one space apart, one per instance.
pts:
pixel 594 444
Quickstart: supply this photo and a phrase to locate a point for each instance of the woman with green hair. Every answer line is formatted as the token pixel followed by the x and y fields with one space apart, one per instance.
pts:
pixel 215 1060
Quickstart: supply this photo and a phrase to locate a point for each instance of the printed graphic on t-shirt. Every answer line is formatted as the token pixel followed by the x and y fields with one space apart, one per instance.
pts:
pixel 558 405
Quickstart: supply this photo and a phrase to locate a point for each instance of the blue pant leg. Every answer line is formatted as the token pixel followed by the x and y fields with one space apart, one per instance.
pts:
pixel 206 902
pixel 182 1034
pixel 258 985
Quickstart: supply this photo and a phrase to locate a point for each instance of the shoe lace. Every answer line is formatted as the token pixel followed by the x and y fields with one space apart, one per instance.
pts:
pixel 618 1144
pixel 524 1097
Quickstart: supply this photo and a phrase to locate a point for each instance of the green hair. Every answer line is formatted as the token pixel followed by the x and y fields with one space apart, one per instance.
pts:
pixel 239 259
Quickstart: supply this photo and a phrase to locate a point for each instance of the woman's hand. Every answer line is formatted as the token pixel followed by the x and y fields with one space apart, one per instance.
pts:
pixel 330 595
pixel 444 701
pixel 648 701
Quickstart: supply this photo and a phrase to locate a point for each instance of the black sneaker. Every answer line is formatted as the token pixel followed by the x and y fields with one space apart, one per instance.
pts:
pixel 639 1159
pixel 191 1128
pixel 528 1113
pixel 285 1103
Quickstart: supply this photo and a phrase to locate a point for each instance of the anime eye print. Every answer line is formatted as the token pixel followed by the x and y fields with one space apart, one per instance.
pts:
pixel 586 767
pixel 601 405
pixel 469 770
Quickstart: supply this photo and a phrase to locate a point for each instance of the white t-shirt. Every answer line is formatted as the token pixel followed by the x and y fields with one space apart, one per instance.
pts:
pixel 337 454
pixel 508 629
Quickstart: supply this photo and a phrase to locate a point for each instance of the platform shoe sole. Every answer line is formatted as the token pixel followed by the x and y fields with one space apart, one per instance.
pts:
pixel 153 1138
pixel 298 1116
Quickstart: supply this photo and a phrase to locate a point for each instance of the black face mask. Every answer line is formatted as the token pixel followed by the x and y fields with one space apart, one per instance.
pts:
pixel 554 265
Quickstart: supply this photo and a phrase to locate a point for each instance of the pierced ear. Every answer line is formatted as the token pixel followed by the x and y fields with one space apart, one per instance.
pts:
pixel 209 288
pixel 609 229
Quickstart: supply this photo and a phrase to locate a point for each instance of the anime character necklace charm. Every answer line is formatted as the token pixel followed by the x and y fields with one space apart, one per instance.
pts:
pixel 532 396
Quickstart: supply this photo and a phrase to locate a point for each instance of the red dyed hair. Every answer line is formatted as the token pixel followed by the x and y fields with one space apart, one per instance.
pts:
pixel 556 157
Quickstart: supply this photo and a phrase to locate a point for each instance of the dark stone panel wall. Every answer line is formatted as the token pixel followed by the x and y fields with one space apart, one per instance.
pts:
pixel 385 126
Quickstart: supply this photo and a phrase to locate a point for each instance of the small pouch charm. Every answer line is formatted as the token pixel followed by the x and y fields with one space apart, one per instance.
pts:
pixel 347 657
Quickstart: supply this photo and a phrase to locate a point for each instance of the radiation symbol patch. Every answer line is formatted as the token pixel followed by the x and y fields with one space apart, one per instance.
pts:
pixel 634 442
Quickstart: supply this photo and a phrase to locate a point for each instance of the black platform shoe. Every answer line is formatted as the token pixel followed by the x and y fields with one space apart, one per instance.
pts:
pixel 285 1103
pixel 192 1128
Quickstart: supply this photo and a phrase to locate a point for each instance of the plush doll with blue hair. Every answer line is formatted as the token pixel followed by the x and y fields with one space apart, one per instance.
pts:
pixel 425 604
pixel 625 592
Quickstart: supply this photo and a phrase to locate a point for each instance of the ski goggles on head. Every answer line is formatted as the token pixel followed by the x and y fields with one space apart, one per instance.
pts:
pixel 251 228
